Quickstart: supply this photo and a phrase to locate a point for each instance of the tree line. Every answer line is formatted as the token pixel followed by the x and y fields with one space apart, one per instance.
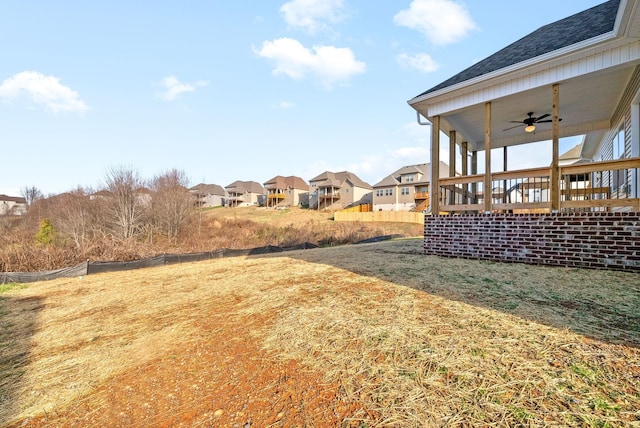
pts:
pixel 126 206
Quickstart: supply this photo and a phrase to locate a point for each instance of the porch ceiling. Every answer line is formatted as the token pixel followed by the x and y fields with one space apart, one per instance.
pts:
pixel 587 104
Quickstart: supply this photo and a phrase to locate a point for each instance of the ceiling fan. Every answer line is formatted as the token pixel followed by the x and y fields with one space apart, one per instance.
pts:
pixel 529 122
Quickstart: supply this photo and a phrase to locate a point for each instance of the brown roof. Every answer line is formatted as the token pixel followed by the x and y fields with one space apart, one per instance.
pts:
pixel 239 186
pixel 16 199
pixel 290 182
pixel 208 189
pixel 573 153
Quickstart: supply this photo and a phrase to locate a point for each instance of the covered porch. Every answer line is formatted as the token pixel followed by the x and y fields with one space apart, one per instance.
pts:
pixel 589 184
pixel 579 79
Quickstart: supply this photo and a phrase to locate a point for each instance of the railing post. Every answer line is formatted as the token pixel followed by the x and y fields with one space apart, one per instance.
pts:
pixel 465 170
pixel 452 163
pixel 504 182
pixel 474 171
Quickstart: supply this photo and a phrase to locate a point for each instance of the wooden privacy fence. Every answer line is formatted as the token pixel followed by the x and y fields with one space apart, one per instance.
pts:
pixel 381 216
pixel 362 208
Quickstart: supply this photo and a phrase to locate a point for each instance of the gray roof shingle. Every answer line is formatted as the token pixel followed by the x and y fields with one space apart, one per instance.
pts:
pixel 336 179
pixel 576 28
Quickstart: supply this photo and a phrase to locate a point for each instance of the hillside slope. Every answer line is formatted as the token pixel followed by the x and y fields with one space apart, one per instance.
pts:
pixel 367 335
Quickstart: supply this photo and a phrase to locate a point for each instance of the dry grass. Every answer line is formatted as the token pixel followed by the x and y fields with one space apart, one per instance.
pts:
pixel 209 230
pixel 420 341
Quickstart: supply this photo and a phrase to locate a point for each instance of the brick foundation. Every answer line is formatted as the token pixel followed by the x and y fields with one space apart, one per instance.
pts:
pixel 592 240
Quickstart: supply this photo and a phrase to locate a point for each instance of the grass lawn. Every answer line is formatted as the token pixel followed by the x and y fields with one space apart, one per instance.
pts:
pixel 358 335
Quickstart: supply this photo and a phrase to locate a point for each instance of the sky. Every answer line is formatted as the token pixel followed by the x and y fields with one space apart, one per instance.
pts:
pixel 228 90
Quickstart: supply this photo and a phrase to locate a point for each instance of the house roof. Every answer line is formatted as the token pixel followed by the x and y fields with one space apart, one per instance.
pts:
pixel 208 189
pixel 573 153
pixel 337 179
pixel 394 178
pixel 576 28
pixel 588 60
pixel 16 199
pixel 280 182
pixel 422 168
pixel 102 192
pixel 245 186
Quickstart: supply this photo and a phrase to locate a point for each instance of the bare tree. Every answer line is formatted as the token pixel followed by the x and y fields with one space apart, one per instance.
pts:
pixel 75 215
pixel 31 194
pixel 124 201
pixel 171 202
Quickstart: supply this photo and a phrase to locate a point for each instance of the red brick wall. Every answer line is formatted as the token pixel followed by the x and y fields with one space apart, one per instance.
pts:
pixel 592 240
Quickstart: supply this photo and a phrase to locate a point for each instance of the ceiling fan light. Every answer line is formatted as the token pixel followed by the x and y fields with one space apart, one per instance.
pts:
pixel 530 128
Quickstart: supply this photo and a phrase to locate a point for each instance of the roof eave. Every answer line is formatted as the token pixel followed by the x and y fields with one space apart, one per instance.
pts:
pixel 576 47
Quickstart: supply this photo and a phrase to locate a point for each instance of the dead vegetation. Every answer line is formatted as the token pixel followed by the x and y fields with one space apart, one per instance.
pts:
pixel 383 334
pixel 209 230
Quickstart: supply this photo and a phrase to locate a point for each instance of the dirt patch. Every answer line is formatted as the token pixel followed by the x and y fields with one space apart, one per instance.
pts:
pixel 220 378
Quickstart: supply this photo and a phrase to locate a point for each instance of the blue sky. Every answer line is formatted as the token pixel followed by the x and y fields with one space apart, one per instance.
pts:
pixel 235 90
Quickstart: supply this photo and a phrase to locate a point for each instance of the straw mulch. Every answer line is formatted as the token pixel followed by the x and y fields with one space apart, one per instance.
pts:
pixel 367 335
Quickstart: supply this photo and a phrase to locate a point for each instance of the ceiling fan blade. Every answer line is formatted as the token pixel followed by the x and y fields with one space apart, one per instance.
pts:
pixel 516 121
pixel 542 117
pixel 517 126
pixel 548 120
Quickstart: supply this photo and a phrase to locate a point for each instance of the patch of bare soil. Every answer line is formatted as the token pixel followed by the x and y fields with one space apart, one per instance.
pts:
pixel 220 378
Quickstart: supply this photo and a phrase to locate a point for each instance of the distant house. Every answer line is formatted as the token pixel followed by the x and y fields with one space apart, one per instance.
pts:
pixel 338 190
pixel 574 187
pixel 244 193
pixel 12 205
pixel 100 195
pixel 142 194
pixel 208 195
pixel 407 189
pixel 286 191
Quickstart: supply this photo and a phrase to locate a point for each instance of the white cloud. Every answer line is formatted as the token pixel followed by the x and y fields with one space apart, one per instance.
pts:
pixel 422 62
pixel 375 167
pixel 441 21
pixel 173 87
pixel 43 90
pixel 328 63
pixel 285 104
pixel 410 154
pixel 312 15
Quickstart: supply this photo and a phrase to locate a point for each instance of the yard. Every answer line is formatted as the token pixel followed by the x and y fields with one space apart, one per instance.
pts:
pixel 357 335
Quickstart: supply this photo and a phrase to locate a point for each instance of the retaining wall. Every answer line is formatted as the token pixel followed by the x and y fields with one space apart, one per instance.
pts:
pixel 592 240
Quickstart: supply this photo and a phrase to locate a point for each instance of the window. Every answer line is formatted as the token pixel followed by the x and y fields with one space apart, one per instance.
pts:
pixel 388 192
pixel 408 178
pixel 405 190
pixel 379 192
pixel 346 190
pixel 619 177
pixel 618 144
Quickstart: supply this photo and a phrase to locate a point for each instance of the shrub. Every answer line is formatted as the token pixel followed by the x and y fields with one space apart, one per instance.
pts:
pixel 46 232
